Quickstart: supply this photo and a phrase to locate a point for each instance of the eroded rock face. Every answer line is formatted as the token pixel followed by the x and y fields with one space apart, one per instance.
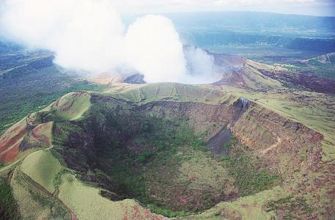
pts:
pixel 266 133
pixel 285 144
pixel 135 79
pixel 22 136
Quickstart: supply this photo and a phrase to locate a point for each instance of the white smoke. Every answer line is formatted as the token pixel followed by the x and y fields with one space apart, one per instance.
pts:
pixel 153 46
pixel 84 34
pixel 200 66
pixel 90 35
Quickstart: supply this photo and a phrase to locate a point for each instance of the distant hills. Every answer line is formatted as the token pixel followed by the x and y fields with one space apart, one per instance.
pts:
pixel 257 30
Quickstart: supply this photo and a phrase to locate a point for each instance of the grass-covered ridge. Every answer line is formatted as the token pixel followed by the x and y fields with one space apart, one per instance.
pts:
pixel 43 168
pixel 168 91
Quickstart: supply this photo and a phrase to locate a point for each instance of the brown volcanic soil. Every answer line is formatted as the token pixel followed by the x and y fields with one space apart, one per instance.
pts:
pixel 40 133
pixel 24 135
pixel 304 80
pixel 235 70
pixel 10 154
pixel 10 142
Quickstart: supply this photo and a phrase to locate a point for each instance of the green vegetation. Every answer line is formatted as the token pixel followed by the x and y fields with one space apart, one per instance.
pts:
pixel 61 131
pixel 158 157
pixel 228 145
pixel 8 206
pixel 248 178
pixel 244 167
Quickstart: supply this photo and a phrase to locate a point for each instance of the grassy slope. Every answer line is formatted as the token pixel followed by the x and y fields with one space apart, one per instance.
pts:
pixel 34 201
pixel 88 204
pixel 256 80
pixel 43 168
pixel 72 105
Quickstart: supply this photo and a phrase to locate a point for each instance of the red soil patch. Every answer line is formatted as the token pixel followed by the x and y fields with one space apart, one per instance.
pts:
pixel 183 200
pixel 73 216
pixel 39 136
pixel 8 139
pixel 10 154
pixel 305 79
pixel 10 143
pixel 316 137
pixel 137 213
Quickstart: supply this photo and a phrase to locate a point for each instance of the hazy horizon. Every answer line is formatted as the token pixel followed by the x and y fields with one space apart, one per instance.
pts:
pixel 298 7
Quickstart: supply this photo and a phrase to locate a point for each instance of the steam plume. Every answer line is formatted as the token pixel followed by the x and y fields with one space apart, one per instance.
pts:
pixel 90 35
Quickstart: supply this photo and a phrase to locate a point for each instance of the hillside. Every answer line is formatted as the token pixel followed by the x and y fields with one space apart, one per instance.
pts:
pixel 248 74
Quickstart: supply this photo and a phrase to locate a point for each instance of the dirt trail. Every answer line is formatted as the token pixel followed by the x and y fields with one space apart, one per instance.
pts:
pixel 279 140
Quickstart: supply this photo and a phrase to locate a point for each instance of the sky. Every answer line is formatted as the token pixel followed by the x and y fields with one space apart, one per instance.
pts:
pixel 305 7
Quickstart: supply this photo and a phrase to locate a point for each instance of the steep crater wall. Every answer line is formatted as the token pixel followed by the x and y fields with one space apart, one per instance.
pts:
pixel 156 152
